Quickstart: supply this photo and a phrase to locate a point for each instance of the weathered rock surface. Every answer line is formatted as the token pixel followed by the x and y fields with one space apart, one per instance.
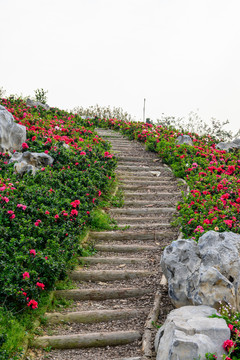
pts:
pixel 235 144
pixel 33 103
pixel 30 162
pixel 189 333
pixel 203 273
pixel 184 139
pixel 12 135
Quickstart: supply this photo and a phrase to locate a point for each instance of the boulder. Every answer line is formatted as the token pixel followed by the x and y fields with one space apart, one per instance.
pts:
pixel 33 103
pixel 12 135
pixel 203 273
pixel 235 144
pixel 188 333
pixel 30 162
pixel 184 139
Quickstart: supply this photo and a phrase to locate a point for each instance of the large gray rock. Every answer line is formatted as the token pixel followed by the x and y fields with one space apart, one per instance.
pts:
pixel 235 144
pixel 30 162
pixel 184 139
pixel 12 135
pixel 189 333
pixel 204 273
pixel 33 103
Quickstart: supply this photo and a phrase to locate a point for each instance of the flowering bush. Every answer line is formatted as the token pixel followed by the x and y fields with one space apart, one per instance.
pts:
pixel 43 216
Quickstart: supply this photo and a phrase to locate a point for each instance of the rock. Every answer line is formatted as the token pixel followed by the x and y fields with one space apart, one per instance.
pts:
pixel 235 144
pixel 12 135
pixel 184 139
pixel 188 333
pixel 30 162
pixel 33 103
pixel 204 273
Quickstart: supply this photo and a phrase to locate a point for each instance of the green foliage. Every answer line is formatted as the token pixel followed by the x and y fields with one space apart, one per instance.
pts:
pixel 103 112
pixel 41 95
pixel 102 221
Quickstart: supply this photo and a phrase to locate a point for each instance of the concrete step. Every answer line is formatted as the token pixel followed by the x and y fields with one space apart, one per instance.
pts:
pixel 112 260
pixel 101 293
pixel 91 316
pixel 85 340
pixel 124 248
pixel 107 275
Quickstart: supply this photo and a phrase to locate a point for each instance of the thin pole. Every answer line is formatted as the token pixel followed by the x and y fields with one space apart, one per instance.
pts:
pixel 144 102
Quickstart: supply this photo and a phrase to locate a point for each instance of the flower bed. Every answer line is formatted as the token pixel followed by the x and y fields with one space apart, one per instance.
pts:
pixel 43 216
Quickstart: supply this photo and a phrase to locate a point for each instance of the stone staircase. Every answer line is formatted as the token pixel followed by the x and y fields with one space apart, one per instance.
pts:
pixel 119 296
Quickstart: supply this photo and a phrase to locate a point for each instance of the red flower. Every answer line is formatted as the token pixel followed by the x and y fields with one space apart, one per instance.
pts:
pixel 74 212
pixel 32 252
pixel 25 146
pixel 41 285
pixel 34 138
pixel 33 303
pixel 26 275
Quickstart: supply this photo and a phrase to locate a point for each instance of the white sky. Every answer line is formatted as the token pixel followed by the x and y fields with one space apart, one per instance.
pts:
pixel 181 55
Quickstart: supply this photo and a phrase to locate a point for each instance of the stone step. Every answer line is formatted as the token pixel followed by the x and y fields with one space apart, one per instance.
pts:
pixel 144 221
pixel 151 181
pixel 112 260
pixel 130 358
pixel 151 226
pixel 132 235
pixel 143 211
pixel 149 177
pixel 150 196
pixel 158 187
pixel 142 173
pixel 101 293
pixel 107 275
pixel 136 159
pixel 149 204
pixel 139 168
pixel 92 316
pixel 85 340
pixel 124 248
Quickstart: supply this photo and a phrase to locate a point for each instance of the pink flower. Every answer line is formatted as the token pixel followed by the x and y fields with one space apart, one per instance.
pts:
pixel 228 344
pixel 82 153
pixel 34 138
pixel 33 303
pixel 93 200
pixel 74 212
pixel 56 216
pixel 99 193
pixel 25 146
pixel 75 203
pixel 46 151
pixel 10 212
pixel 47 212
pixel 26 275
pixel 32 252
pixel 41 285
